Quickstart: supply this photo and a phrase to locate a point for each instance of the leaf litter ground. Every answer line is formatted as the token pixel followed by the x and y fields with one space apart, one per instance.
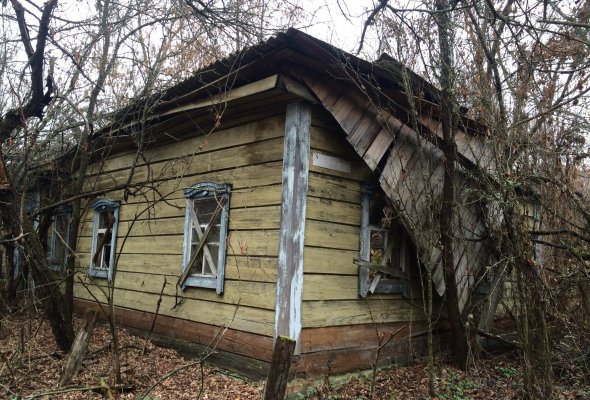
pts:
pixel 31 365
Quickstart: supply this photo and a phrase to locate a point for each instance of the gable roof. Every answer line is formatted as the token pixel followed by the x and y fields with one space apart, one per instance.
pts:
pixel 297 49
pixel 393 126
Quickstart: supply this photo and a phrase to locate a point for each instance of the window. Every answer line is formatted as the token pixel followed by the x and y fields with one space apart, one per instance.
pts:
pixel 205 232
pixel 31 208
pixel 57 238
pixel 104 238
pixel 384 246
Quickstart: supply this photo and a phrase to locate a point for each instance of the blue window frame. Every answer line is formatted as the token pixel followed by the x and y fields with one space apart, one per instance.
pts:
pixel 104 238
pixel 205 233
pixel 57 238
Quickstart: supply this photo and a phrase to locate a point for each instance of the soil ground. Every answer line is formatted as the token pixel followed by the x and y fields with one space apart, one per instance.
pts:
pixel 31 364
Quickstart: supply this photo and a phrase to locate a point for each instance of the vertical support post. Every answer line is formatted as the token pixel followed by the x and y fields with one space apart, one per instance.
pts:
pixel 278 374
pixel 292 235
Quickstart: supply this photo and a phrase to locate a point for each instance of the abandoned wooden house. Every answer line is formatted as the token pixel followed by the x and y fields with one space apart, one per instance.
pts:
pixel 286 190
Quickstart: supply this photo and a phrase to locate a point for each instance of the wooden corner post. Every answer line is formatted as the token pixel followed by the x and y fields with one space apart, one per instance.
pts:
pixel 292 235
pixel 278 375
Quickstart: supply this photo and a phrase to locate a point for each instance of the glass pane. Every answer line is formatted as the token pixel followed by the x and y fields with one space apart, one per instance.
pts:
pixel 104 218
pixel 107 255
pixel 99 239
pixel 205 208
pixel 194 248
pixel 214 234
pixel 195 235
pixel 198 264
pixel 207 268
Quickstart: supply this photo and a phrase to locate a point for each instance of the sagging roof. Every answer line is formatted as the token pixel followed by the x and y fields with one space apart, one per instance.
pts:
pixel 292 47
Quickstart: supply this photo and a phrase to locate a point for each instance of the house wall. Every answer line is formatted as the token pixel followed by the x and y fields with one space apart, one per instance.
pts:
pixel 150 244
pixel 341 331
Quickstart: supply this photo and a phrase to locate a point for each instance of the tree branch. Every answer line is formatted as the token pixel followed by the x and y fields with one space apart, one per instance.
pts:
pixel 16 117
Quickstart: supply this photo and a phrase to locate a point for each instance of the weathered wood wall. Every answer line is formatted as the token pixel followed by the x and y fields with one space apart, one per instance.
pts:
pixel 150 243
pixel 340 329
pixel 411 175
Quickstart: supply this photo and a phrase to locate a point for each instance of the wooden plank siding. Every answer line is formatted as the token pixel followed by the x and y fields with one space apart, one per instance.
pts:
pixel 411 174
pixel 151 228
pixel 258 347
pixel 331 303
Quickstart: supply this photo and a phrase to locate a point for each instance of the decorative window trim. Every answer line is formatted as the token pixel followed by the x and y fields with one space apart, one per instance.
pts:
pixel 56 241
pixel 377 286
pixel 98 207
pixel 202 191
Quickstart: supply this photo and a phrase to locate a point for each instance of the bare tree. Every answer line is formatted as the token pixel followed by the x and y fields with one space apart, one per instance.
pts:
pixel 520 70
pixel 20 229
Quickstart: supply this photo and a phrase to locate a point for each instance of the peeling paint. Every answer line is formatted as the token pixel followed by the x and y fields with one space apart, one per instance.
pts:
pixel 291 240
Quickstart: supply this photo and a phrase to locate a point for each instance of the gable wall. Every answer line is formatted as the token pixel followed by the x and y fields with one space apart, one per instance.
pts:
pixel 340 329
pixel 249 157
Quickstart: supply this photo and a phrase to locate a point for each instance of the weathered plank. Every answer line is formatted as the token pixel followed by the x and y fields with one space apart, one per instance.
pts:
pixel 330 261
pixel 332 141
pixel 329 187
pixel 237 267
pixel 251 294
pixel 333 287
pixel 333 211
pixel 160 265
pixel 293 223
pixel 241 218
pixel 248 319
pixel 256 346
pixel 77 352
pixel 378 148
pixel 246 242
pixel 331 235
pixel 200 163
pixel 254 269
pixel 355 336
pixel 360 311
pixel 223 97
pixel 256 196
pixel 256 131
pixel 248 177
pixel 358 170
pixel 174 206
pixel 278 375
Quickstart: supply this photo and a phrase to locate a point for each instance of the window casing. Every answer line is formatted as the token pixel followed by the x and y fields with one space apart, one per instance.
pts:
pixel 205 233
pixel 57 238
pixel 383 246
pixel 104 238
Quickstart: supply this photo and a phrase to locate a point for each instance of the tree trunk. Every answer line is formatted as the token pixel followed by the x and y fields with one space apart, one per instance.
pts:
pixel 45 287
pixel 459 339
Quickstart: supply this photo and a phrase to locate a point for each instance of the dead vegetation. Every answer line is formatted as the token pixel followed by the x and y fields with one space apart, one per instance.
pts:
pixel 31 366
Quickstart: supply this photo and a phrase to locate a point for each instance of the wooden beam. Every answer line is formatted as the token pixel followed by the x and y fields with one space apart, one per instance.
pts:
pixel 79 347
pixel 290 86
pixel 292 234
pixel 282 356
pixel 234 94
